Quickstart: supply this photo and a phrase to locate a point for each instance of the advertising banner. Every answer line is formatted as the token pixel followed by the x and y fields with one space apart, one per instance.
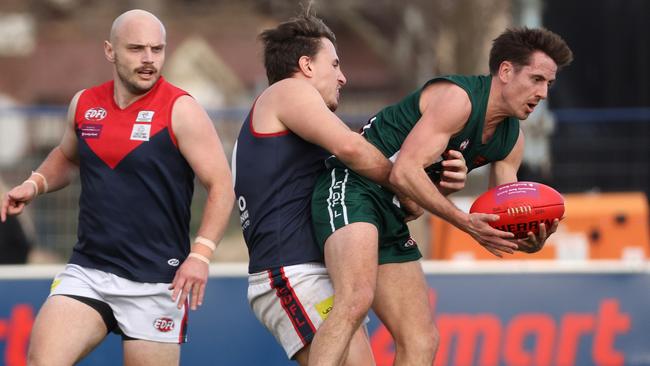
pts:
pixel 506 316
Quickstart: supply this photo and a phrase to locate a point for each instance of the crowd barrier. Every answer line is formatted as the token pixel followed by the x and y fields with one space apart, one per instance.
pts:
pixel 512 313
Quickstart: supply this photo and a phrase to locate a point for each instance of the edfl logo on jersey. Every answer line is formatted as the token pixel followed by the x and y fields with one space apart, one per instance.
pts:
pixel 95 114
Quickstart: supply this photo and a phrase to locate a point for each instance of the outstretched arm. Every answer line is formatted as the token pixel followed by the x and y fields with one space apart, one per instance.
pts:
pixel 199 143
pixel 54 173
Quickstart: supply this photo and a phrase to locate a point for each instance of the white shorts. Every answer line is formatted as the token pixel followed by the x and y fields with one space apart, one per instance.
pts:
pixel 142 310
pixel 292 302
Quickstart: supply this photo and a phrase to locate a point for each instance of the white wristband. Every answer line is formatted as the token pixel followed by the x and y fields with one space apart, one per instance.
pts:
pixel 32 182
pixel 207 242
pixel 45 186
pixel 200 257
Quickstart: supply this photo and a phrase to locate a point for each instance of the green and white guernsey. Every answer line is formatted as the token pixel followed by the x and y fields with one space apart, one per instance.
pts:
pixel 388 128
pixel 342 197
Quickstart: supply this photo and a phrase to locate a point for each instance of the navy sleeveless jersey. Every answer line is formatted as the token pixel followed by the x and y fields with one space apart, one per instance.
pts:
pixel 274 178
pixel 136 187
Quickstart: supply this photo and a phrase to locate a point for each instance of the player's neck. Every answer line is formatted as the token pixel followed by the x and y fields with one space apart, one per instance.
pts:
pixel 497 109
pixel 123 97
pixel 495 112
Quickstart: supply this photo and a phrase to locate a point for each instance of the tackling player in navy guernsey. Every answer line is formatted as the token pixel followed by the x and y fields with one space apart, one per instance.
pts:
pixel 278 156
pixel 280 152
pixel 138 142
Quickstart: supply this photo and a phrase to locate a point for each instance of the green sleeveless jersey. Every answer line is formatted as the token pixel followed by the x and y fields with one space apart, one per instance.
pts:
pixel 388 128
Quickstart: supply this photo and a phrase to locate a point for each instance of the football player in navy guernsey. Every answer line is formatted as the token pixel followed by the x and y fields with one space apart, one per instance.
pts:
pixel 356 221
pixel 283 143
pixel 138 142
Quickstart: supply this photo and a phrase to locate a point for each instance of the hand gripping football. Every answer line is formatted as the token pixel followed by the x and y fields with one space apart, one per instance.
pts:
pixel 521 206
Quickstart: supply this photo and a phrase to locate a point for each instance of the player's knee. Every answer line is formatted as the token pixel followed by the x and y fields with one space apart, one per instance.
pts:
pixel 423 341
pixel 356 304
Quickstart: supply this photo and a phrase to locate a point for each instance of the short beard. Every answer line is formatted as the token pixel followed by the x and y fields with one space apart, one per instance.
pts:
pixel 133 88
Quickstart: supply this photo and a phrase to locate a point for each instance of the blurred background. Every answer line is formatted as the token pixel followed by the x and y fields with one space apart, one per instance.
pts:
pixel 590 141
pixel 592 136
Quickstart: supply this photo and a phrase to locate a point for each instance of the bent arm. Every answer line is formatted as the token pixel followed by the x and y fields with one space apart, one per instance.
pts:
pixel 445 110
pixel 54 173
pixel 308 117
pixel 63 161
pixel 199 144
pixel 505 171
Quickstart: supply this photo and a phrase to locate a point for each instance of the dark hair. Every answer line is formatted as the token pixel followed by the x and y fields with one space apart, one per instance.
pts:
pixel 285 44
pixel 518 44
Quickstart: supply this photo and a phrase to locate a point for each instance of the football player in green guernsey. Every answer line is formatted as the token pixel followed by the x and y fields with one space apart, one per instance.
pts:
pixel 368 251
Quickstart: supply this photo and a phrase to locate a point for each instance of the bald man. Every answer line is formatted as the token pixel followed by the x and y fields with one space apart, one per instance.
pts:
pixel 137 142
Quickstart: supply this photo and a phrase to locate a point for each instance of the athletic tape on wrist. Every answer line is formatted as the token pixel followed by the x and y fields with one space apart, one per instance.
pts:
pixel 45 186
pixel 32 182
pixel 207 242
pixel 200 257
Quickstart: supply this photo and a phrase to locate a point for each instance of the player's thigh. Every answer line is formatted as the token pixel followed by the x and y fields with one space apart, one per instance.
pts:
pixel 148 353
pixel 402 286
pixel 351 257
pixel 345 217
pixel 65 330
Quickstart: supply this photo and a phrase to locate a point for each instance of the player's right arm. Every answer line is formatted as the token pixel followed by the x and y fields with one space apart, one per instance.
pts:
pixel 54 173
pixel 445 109
pixel 300 108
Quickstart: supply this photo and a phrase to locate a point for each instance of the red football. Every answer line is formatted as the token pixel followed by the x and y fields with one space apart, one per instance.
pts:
pixel 522 206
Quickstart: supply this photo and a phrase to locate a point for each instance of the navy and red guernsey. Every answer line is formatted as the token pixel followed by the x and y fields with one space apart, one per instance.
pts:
pixel 274 179
pixel 136 187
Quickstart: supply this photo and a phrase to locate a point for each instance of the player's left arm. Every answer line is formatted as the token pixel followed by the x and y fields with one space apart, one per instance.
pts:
pixel 505 171
pixel 199 144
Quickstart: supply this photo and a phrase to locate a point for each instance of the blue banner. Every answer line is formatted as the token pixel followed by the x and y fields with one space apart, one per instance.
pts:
pixel 498 318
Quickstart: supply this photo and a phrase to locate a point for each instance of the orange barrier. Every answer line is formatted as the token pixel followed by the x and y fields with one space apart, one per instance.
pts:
pixel 596 226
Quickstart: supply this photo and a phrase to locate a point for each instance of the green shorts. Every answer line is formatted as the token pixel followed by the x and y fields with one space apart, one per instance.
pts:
pixel 342 197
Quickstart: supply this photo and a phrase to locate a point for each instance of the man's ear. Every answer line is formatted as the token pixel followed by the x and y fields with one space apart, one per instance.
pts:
pixel 304 63
pixel 109 52
pixel 506 71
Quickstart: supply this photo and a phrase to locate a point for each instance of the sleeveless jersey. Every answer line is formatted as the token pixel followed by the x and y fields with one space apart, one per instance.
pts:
pixel 136 187
pixel 388 128
pixel 274 178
